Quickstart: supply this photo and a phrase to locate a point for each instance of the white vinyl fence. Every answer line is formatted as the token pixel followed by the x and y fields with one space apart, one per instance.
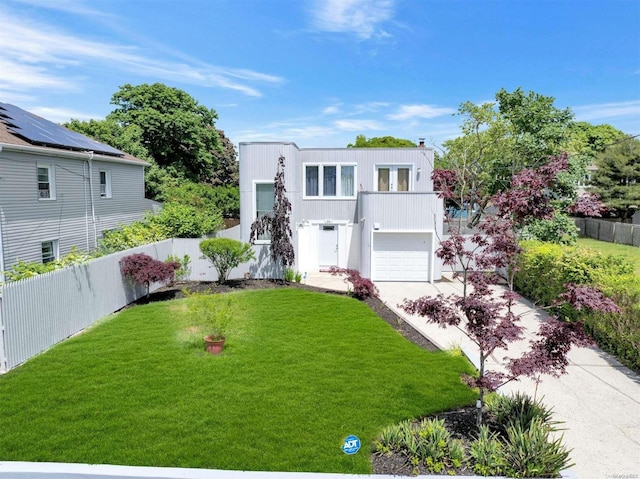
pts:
pixel 38 312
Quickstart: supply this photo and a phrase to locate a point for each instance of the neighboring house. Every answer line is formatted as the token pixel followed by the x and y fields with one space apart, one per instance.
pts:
pixel 60 189
pixel 370 209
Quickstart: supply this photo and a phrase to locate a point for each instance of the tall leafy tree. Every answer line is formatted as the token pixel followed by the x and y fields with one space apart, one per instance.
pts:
pixel 177 131
pixel 520 130
pixel 617 179
pixel 277 224
pixel 488 318
pixel 226 173
pixel 381 142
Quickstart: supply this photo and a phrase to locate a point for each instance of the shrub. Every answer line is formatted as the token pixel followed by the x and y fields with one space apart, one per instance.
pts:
pixel 289 275
pixel 23 270
pixel 298 277
pixel 183 271
pixel 213 313
pixel 545 268
pixel 185 221
pixel 427 442
pixel 560 229
pixel 531 452
pixel 130 236
pixel 519 409
pixel 361 288
pixel 226 254
pixel 486 453
pixel 144 270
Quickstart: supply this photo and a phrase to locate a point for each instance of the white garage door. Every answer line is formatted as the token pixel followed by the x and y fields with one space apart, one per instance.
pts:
pixel 401 256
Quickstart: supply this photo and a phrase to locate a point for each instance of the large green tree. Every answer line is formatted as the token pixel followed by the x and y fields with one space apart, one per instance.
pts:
pixel 381 142
pixel 177 131
pixel 226 157
pixel 617 179
pixel 520 130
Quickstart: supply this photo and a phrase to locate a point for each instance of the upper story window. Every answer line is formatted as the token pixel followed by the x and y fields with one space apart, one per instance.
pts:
pixel 265 199
pixel 393 178
pixel 105 183
pixel 49 251
pixel 330 181
pixel 46 182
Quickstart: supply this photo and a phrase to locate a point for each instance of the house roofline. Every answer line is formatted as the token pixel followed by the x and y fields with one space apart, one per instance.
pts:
pixel 290 143
pixel 46 151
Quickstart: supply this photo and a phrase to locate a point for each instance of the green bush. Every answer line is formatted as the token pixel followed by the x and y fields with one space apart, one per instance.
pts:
pixel 531 452
pixel 185 221
pixel 486 453
pixel 130 236
pixel 289 275
pixel 427 442
pixel 518 409
pixel 561 229
pixel 184 270
pixel 23 270
pixel 544 268
pixel 226 254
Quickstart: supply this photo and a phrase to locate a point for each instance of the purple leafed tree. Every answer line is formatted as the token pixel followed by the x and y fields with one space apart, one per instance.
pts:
pixel 277 223
pixel 485 314
pixel 143 269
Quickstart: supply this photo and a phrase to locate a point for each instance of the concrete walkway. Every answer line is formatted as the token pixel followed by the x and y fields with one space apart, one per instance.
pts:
pixel 598 399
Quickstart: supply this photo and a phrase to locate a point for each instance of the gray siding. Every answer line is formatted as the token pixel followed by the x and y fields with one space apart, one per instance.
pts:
pixel 258 163
pixel 27 221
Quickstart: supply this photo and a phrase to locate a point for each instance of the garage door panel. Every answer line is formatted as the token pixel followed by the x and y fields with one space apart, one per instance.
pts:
pixel 401 256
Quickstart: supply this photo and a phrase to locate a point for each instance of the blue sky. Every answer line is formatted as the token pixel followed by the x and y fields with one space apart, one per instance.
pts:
pixel 321 72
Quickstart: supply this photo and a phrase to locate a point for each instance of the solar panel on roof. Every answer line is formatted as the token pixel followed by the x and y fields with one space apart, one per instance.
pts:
pixel 39 131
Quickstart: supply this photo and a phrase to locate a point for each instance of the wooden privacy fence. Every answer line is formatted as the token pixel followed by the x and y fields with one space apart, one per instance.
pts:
pixel 613 232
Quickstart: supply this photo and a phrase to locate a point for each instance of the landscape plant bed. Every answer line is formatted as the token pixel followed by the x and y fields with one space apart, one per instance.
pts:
pixel 300 373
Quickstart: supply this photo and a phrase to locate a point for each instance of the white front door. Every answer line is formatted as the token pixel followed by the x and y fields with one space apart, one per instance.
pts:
pixel 328 242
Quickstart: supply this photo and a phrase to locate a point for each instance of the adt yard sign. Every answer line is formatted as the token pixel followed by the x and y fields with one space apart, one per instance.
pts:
pixel 351 445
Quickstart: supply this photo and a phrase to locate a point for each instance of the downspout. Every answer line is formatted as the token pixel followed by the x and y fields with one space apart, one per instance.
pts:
pixel 93 210
pixel 86 209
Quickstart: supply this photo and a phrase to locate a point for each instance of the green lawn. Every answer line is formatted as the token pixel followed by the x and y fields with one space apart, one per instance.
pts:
pixel 632 253
pixel 301 371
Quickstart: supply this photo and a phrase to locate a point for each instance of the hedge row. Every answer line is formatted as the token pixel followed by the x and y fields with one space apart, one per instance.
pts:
pixel 545 267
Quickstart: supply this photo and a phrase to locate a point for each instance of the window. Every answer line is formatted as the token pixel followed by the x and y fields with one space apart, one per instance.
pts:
pixel 105 184
pixel 46 182
pixel 393 178
pixel 329 181
pixel 265 199
pixel 49 251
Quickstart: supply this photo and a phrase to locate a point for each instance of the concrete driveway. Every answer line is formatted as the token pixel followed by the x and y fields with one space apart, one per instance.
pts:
pixel 598 399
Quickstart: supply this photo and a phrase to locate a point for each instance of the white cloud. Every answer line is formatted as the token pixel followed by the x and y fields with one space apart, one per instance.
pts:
pixel 331 110
pixel 608 110
pixel 18 76
pixel 62 115
pixel 406 112
pixel 44 57
pixel 357 125
pixel 359 17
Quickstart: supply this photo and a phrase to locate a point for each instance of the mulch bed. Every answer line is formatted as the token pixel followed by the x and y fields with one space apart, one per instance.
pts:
pixel 461 422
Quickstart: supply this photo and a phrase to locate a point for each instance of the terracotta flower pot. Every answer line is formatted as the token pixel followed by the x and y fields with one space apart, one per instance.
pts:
pixel 214 345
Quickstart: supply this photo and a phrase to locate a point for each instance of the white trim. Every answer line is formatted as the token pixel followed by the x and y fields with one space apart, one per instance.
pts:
pixel 51 176
pixel 338 195
pixel 254 200
pixel 108 191
pixel 55 246
pixel 393 176
pixel 81 155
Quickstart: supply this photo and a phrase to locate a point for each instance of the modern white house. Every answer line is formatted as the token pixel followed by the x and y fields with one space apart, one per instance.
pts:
pixel 369 209
pixel 60 189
